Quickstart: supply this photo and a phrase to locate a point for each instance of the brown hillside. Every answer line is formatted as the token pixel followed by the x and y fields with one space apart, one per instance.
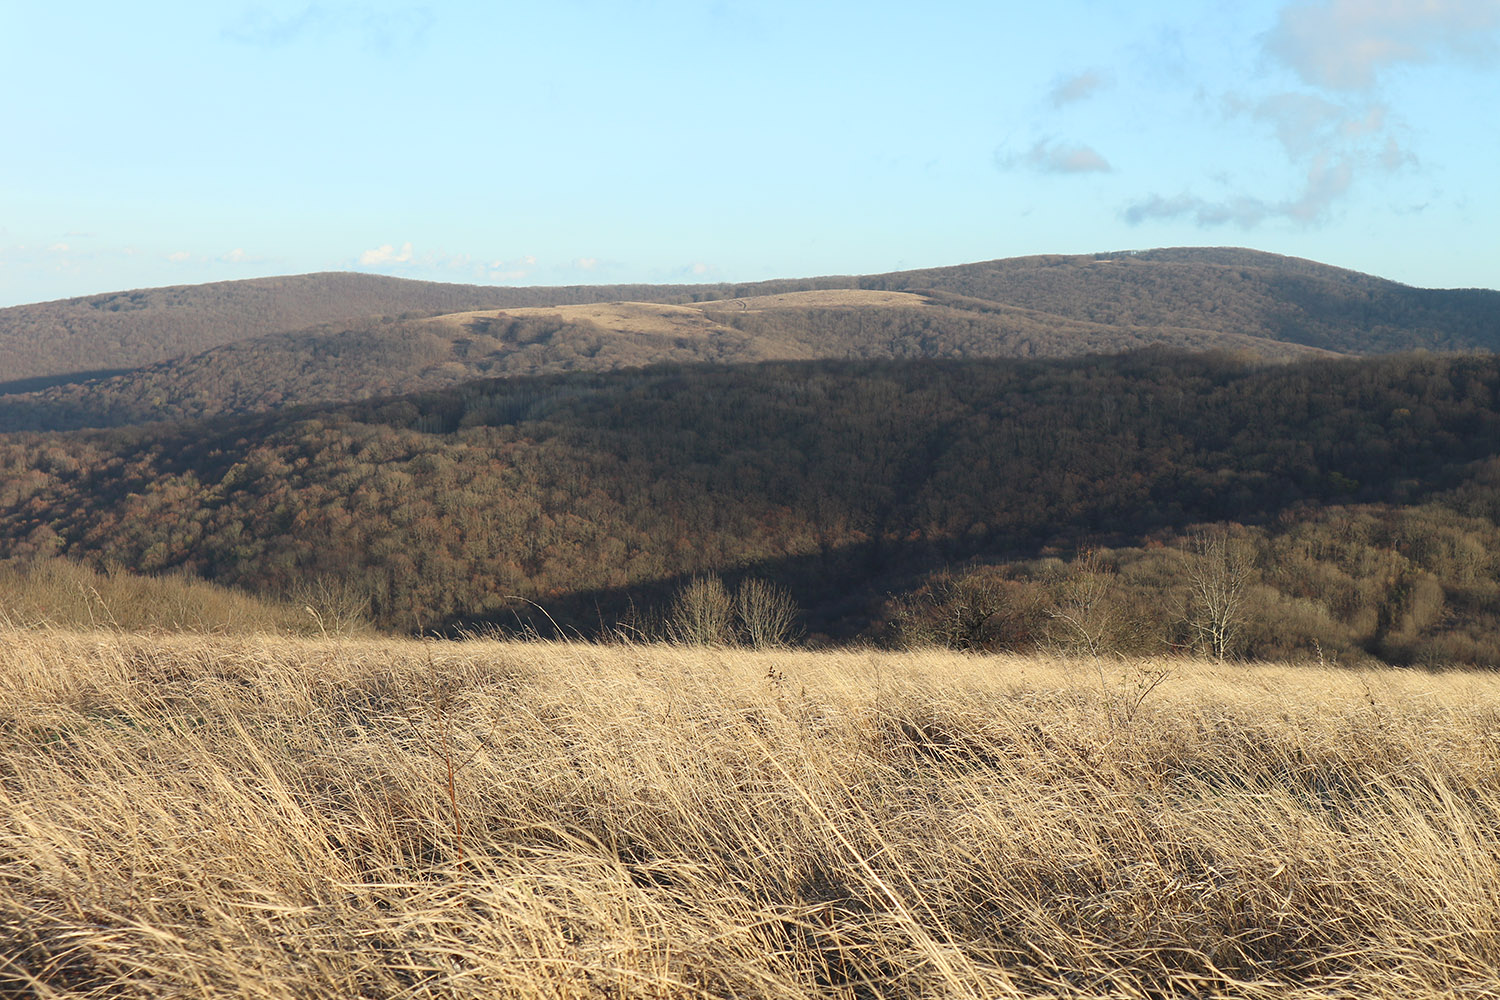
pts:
pixel 214 349
pixel 134 328
pixel 388 357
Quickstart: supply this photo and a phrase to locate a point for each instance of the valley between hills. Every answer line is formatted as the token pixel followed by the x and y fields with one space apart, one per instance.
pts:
pixel 1033 453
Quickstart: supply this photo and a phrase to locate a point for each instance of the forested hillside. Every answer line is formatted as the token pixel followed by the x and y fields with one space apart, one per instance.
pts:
pixel 48 342
pixel 956 455
pixel 385 357
pixel 1231 291
pixel 1199 298
pixel 846 481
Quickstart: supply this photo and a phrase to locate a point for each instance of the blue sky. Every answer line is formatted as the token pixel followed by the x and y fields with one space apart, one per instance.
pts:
pixel 582 141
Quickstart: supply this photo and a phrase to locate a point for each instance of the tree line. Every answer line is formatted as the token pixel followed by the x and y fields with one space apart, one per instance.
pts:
pixel 843 482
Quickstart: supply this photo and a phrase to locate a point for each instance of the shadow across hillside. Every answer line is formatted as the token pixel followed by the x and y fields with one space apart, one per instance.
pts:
pixel 40 382
pixel 840 592
pixel 841 480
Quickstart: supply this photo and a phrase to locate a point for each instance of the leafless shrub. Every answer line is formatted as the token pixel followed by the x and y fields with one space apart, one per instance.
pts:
pixel 702 614
pixel 766 613
pixel 1084 608
pixel 337 606
pixel 976 611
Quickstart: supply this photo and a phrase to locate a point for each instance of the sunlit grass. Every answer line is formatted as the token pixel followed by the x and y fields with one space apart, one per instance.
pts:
pixel 191 816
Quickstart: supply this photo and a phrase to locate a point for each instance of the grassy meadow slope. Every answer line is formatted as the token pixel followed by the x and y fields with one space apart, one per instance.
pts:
pixel 60 594
pixel 277 818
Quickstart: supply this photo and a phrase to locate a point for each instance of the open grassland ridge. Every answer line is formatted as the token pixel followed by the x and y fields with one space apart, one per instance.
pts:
pixel 664 317
pixel 269 817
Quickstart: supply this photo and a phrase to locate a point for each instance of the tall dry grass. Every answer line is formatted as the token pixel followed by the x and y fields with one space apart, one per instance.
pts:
pixel 214 816
pixel 59 593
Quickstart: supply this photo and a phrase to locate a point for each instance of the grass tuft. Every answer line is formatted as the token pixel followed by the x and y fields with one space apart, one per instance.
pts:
pixel 282 817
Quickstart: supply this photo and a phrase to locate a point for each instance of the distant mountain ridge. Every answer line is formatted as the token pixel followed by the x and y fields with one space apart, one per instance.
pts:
pixel 374 358
pixel 130 329
pixel 1227 289
pixel 235 347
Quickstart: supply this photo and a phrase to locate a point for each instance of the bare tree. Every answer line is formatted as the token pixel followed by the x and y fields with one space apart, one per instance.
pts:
pixel 1082 606
pixel 1219 575
pixel 976 610
pixel 702 614
pixel 767 613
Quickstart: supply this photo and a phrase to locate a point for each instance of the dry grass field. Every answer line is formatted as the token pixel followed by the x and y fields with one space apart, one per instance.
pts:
pixel 269 817
pixel 665 320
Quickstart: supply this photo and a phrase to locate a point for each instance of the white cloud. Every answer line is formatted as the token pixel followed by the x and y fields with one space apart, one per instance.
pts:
pixel 586 263
pixel 236 256
pixel 1050 157
pixel 1308 127
pixel 1330 142
pixel 1077 87
pixel 699 268
pixel 1245 212
pixel 507 270
pixel 1328 180
pixel 1394 156
pixel 1303 123
pixel 1346 44
pixel 179 256
pixel 1325 182
pixel 470 267
pixel 384 31
pixel 386 255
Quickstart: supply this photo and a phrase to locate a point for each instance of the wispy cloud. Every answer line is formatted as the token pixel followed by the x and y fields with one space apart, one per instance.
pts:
pixel 1049 157
pixel 1078 87
pixel 1325 182
pixel 1308 127
pixel 1346 44
pixel 1332 135
pixel 1394 156
pixel 259 27
pixel 1303 123
pixel 386 255
pixel 380 30
pixel 517 269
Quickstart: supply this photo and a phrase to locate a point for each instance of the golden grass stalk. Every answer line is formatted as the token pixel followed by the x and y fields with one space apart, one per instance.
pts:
pixel 270 817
